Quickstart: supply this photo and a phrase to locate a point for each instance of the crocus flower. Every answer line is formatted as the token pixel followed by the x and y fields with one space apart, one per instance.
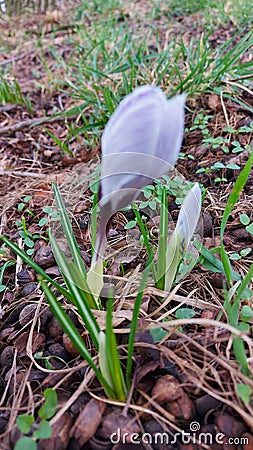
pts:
pixel 140 143
pixel 186 223
pixel 188 216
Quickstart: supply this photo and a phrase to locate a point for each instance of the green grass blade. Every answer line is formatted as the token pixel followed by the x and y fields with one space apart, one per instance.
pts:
pixel 68 232
pixel 209 256
pixel 232 200
pixel 240 354
pixel 36 268
pixel 104 363
pixel 78 280
pixel 162 243
pixel 235 194
pixel 145 238
pixel 173 259
pixel 74 249
pixel 94 212
pixel 226 264
pixel 73 334
pixel 112 355
pixel 137 304
pixel 61 144
pixel 247 279
pixel 74 283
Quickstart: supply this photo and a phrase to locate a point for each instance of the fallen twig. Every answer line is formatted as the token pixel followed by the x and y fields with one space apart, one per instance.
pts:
pixel 21 174
pixel 8 107
pixel 28 122
pixel 16 58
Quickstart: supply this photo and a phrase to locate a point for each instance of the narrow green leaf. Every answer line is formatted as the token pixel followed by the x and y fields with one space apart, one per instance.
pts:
pixel 137 304
pixel 73 334
pixel 240 354
pixel 213 260
pixel 104 363
pixel 226 263
pixel 78 290
pixel 113 355
pixel 145 239
pixel 162 243
pixel 173 258
pixel 236 191
pixel 244 391
pixel 94 213
pixel 61 144
pixel 35 267
pixel 68 232
pixel 4 267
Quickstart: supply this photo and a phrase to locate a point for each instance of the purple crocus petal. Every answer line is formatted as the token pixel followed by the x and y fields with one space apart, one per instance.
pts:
pixel 135 124
pixel 189 215
pixel 144 126
pixel 140 143
pixel 172 129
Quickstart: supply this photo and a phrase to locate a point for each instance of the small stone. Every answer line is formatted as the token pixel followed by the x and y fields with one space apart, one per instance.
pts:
pixel 20 342
pixel 207 223
pixel 241 233
pixel 6 357
pixel 3 423
pixel 58 350
pixel 112 233
pixel 216 280
pixel 53 271
pixel 69 346
pixel 44 257
pixel 182 408
pixel 229 425
pixel 47 153
pixel 24 277
pixel 55 329
pixel 85 257
pixel 28 289
pixel 8 296
pixel 27 314
pixel 115 421
pixel 206 403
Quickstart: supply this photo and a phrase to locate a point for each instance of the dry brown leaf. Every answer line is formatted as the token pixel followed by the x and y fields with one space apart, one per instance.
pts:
pixel 214 102
pixel 88 421
pixel 117 317
pixel 166 389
